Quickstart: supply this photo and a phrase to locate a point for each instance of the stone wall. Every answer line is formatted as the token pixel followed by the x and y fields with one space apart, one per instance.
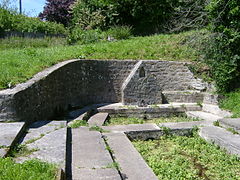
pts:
pixel 150 78
pixel 70 83
pixel 81 82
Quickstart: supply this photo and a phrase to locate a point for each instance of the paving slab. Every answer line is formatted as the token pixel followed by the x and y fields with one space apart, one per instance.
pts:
pixel 222 137
pixel 131 127
pixel 184 125
pixel 9 135
pixel 98 119
pixel 231 123
pixel 132 165
pixel 203 115
pixel 214 109
pixel 90 158
pixel 49 141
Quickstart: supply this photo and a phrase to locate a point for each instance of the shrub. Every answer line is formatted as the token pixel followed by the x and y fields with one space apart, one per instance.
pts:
pixel 141 15
pixel 79 36
pixel 119 32
pixel 223 51
pixel 9 21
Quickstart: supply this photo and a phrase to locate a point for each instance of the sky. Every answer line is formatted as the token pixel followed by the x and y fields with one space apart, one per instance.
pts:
pixel 31 7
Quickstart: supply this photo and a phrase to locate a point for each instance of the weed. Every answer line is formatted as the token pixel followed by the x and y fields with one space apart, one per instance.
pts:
pixel 166 130
pixel 113 165
pixel 77 124
pixel 181 157
pixel 97 128
pixel 199 103
pixel 33 169
pixel 232 130
pixel 21 150
pixel 216 123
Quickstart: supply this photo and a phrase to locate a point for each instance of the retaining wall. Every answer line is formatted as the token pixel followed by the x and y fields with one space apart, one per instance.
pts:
pixel 82 82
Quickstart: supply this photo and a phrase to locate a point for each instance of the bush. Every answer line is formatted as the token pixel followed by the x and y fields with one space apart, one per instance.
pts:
pixel 79 36
pixel 119 32
pixel 223 51
pixel 9 21
pixel 141 15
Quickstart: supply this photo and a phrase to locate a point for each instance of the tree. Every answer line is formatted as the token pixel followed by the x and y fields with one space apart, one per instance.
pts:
pixel 57 11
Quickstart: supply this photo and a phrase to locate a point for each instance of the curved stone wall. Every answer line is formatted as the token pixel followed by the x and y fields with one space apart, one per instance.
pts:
pixel 82 82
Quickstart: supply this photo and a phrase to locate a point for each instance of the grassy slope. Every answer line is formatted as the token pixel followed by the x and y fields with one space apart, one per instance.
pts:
pixel 180 157
pixel 19 64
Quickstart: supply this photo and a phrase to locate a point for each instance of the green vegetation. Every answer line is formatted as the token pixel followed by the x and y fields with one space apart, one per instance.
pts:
pixel 21 150
pixel 18 65
pixel 231 102
pixel 78 123
pixel 124 120
pixel 31 170
pixel 22 43
pixel 97 128
pixel 232 130
pixel 180 157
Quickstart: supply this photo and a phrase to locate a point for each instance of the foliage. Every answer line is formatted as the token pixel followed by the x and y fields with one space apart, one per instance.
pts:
pixel 57 11
pixel 223 51
pixel 141 15
pixel 180 157
pixel 9 21
pixel 31 170
pixel 119 32
pixel 78 123
pixel 188 15
pixel 14 62
pixel 124 120
pixel 79 36
pixel 231 102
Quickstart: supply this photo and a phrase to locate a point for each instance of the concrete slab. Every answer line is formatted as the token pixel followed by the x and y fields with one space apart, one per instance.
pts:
pixel 184 125
pixel 132 165
pixel 9 135
pixel 203 115
pixel 222 137
pixel 98 119
pixel 49 141
pixel 90 158
pixel 131 127
pixel 231 123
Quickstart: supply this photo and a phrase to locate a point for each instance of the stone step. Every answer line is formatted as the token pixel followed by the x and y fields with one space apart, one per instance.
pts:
pixel 203 115
pixel 151 111
pixel 90 158
pixel 48 138
pixel 231 123
pixel 132 165
pixel 9 136
pixel 214 109
pixel 98 119
pixel 222 137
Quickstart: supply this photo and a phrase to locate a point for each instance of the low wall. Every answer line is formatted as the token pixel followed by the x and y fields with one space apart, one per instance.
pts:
pixel 82 82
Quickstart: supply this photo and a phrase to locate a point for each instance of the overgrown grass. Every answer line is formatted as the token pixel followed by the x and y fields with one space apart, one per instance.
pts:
pixel 180 157
pixel 21 43
pixel 29 170
pixel 19 64
pixel 125 121
pixel 231 102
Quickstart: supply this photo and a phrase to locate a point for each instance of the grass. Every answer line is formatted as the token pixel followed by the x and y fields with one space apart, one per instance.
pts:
pixel 125 121
pixel 21 150
pixel 231 102
pixel 20 64
pixel 181 157
pixel 78 123
pixel 29 170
